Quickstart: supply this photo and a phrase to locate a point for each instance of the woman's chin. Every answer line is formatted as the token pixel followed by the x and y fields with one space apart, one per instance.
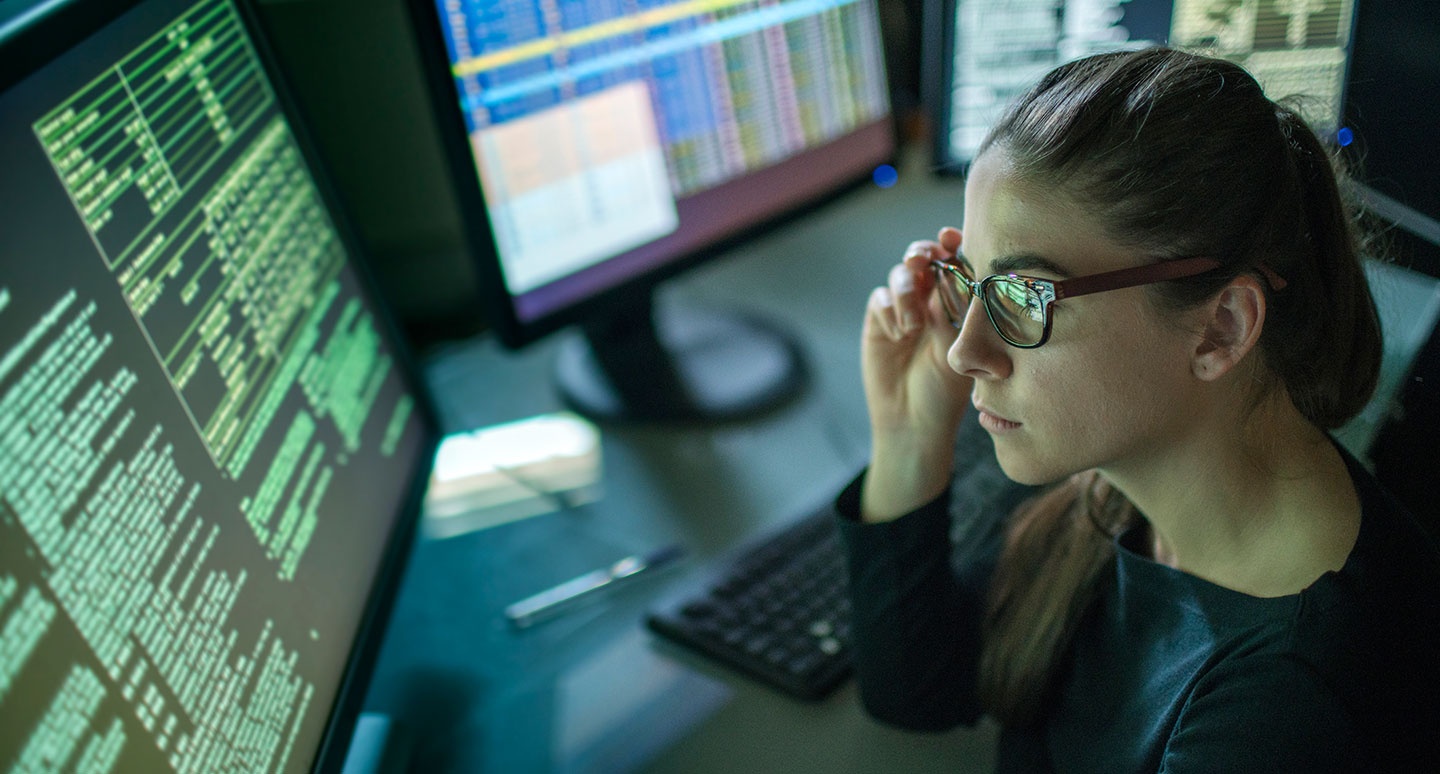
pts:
pixel 1025 469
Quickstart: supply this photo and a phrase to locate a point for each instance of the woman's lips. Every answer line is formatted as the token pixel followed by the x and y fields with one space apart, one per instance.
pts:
pixel 995 424
pixel 992 421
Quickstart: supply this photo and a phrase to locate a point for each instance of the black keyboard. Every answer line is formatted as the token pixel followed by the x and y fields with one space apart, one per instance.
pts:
pixel 779 611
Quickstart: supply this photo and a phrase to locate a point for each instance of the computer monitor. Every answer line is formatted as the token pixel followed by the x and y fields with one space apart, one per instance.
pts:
pixel 597 148
pixel 1391 115
pixel 981 54
pixel 212 452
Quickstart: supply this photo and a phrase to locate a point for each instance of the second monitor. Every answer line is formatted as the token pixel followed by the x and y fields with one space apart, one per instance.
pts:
pixel 599 147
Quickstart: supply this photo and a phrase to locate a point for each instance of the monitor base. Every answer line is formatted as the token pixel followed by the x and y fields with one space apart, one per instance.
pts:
pixel 692 366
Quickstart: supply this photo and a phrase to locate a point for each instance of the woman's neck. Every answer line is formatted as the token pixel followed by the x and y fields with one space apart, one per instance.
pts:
pixel 1264 506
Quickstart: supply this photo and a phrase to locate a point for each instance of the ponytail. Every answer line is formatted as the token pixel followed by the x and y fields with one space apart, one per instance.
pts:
pixel 1058 547
pixel 1324 343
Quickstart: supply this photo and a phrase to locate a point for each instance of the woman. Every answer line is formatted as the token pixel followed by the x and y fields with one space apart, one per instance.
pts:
pixel 1161 311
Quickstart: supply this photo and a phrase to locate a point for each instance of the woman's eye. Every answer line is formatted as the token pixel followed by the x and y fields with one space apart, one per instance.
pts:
pixel 1033 309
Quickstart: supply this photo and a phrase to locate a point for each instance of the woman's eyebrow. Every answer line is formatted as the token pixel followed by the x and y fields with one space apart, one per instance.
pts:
pixel 1020 262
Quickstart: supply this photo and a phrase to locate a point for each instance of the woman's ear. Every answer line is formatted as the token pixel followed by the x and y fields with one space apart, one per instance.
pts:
pixel 1231 329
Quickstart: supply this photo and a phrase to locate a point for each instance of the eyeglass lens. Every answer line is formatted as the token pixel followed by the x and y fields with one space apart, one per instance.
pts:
pixel 1014 308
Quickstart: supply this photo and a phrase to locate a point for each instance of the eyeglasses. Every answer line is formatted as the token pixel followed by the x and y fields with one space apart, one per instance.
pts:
pixel 1019 307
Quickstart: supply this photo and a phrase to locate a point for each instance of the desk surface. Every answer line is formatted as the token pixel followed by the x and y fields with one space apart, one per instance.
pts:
pixel 592 690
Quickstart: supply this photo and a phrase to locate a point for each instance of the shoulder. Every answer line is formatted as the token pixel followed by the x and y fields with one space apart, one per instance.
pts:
pixel 1352 682
pixel 1383 603
pixel 1269 712
pixel 1394 551
pixel 1376 622
pixel 1372 633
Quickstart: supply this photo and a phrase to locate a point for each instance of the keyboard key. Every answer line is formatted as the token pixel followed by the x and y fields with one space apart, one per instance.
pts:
pixel 779 611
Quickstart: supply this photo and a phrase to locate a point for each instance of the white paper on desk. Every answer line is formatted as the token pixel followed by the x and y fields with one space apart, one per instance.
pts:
pixel 499 474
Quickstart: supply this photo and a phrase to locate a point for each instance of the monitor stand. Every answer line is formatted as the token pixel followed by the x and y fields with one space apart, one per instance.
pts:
pixel 644 363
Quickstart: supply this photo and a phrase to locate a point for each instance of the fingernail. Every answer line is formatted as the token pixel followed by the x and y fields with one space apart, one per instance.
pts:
pixel 904 281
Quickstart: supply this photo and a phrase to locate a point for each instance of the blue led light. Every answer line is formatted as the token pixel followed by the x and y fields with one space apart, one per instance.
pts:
pixel 1345 136
pixel 885 176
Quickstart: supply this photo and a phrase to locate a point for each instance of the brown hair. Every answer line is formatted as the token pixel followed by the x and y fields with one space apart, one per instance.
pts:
pixel 1179 155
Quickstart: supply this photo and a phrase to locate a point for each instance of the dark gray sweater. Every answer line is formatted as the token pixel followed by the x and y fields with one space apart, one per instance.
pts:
pixel 1167 672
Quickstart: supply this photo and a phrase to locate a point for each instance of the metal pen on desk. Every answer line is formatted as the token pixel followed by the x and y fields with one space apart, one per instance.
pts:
pixel 534 608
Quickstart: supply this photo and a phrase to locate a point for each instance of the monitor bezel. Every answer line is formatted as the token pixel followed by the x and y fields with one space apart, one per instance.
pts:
pixel 937 56
pixel 500 312
pixel 1381 197
pixel 35 33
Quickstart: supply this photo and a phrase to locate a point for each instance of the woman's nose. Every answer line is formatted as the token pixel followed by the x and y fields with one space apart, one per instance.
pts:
pixel 978 351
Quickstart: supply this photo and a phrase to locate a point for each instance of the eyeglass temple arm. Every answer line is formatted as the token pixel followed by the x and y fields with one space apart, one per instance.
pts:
pixel 1149 274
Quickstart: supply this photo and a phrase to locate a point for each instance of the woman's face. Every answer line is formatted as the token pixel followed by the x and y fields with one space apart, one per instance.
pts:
pixel 1113 386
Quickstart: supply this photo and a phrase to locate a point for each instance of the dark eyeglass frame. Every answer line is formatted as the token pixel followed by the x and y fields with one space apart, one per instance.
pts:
pixel 1049 291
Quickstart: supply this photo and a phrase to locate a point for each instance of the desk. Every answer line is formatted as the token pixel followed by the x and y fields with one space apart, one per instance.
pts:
pixel 593 690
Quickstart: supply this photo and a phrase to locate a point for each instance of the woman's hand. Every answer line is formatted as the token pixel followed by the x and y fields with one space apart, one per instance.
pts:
pixel 916 400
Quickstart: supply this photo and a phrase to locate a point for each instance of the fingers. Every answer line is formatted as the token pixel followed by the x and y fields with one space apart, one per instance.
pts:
pixel 903 306
pixel 896 310
pixel 950 239
pixel 880 316
pixel 908 300
pixel 917 257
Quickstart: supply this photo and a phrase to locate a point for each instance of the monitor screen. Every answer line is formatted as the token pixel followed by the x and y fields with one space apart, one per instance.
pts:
pixel 209 443
pixel 988 52
pixel 595 143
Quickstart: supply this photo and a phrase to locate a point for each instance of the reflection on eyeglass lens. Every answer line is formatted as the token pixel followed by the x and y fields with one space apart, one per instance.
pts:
pixel 1015 309
pixel 1020 299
